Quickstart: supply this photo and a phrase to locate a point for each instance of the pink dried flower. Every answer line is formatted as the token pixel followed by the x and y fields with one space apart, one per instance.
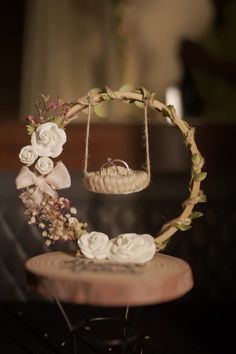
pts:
pixel 57 205
pixel 63 203
pixel 52 105
pixel 67 203
pixel 65 110
pixel 38 119
pixel 30 118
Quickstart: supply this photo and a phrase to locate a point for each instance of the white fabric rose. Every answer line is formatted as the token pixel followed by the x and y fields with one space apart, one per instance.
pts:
pixel 48 139
pixel 28 155
pixel 132 248
pixel 94 245
pixel 44 165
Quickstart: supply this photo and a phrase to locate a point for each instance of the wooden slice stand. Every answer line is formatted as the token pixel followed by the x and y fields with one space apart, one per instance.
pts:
pixel 105 283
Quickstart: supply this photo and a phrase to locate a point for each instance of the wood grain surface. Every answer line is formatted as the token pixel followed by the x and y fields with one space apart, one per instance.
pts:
pixel 105 283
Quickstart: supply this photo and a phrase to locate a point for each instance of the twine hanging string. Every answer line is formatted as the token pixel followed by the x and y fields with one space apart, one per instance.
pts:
pixel 146 106
pixel 146 100
pixel 90 103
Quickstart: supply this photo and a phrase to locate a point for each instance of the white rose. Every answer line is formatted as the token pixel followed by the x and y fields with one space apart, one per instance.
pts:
pixel 132 248
pixel 48 139
pixel 44 165
pixel 94 245
pixel 28 155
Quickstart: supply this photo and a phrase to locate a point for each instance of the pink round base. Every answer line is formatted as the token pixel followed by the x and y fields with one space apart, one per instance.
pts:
pixel 105 283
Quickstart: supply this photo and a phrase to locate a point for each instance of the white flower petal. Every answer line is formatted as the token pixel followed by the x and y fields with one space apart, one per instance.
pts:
pixel 48 139
pixel 132 248
pixel 28 155
pixel 94 245
pixel 44 165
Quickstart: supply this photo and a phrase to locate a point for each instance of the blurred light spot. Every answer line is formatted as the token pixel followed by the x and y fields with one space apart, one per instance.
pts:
pixel 173 97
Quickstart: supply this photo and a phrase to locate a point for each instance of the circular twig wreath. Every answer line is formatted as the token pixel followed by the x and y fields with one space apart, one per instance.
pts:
pixel 40 178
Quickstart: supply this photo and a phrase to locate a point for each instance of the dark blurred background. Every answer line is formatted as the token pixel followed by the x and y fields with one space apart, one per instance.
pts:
pixel 182 50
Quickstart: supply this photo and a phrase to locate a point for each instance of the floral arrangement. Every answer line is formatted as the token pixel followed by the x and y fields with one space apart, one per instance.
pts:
pixel 42 176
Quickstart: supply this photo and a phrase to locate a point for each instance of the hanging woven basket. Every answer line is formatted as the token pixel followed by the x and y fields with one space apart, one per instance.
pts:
pixel 115 177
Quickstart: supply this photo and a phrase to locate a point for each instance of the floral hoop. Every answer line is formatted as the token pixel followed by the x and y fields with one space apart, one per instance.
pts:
pixel 56 217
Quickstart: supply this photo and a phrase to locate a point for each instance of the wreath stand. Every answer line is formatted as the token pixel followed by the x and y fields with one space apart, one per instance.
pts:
pixel 66 278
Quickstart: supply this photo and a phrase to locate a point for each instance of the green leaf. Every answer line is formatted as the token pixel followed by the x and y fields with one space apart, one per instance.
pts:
pixel 59 120
pixel 127 88
pixel 166 112
pixel 110 92
pixel 198 162
pixel 30 128
pixel 143 91
pixel 101 109
pixel 203 198
pixel 139 104
pixel 105 97
pixel 94 91
pixel 195 158
pixel 152 97
pixel 198 177
pixel 196 215
pixel 160 245
pixel 181 226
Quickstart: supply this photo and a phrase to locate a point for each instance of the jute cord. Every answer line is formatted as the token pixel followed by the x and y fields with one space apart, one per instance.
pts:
pixel 148 164
pixel 146 133
pixel 90 102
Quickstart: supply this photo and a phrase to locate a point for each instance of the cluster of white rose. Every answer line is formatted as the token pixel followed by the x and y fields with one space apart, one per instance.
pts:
pixel 129 247
pixel 46 141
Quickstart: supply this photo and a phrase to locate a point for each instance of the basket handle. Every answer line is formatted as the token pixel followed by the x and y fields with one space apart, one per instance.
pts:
pixel 90 104
pixel 113 163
